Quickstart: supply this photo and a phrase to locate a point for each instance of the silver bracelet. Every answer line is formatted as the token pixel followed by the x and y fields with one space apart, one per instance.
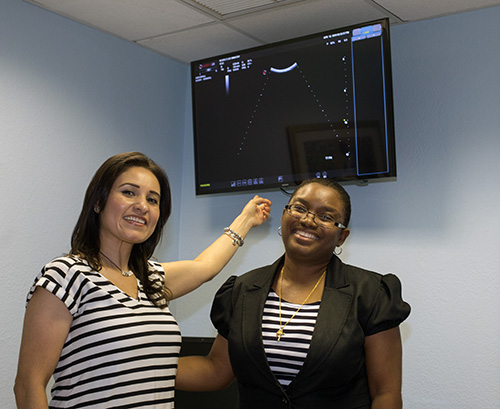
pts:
pixel 237 240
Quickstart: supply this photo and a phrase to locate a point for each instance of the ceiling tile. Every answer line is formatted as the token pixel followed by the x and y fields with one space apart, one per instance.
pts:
pixel 227 8
pixel 411 10
pixel 186 31
pixel 305 18
pixel 224 7
pixel 200 42
pixel 130 19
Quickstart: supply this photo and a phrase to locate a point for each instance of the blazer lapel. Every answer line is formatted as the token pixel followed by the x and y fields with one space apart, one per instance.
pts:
pixel 253 306
pixel 335 305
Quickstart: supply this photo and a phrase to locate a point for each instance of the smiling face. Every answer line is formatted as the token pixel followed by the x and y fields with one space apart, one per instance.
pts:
pixel 132 209
pixel 303 237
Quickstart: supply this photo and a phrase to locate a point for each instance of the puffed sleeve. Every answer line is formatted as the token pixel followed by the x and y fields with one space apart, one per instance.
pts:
pixel 389 309
pixel 58 278
pixel 222 307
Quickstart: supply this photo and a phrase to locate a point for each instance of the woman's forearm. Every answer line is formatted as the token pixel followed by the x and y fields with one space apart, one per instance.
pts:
pixel 222 250
pixel 197 374
pixel 30 397
pixel 183 277
pixel 206 373
pixel 387 401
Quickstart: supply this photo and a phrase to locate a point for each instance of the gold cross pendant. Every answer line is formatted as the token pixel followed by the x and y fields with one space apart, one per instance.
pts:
pixel 280 333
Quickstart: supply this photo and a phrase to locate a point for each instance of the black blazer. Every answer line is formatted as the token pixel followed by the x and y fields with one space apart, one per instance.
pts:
pixel 355 303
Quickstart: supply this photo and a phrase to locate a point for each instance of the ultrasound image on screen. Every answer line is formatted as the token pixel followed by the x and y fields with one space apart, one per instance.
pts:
pixel 312 108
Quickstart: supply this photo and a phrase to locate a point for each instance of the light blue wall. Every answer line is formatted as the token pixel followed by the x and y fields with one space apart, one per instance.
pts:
pixel 71 96
pixel 437 227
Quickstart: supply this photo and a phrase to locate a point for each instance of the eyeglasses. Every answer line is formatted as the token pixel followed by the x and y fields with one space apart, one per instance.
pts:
pixel 325 220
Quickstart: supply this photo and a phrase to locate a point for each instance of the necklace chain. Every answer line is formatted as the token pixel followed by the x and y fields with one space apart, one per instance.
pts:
pixel 280 332
pixel 124 273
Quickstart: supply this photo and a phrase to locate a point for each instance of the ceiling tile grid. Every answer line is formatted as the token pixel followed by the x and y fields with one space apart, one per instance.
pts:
pixel 200 42
pixel 130 19
pixel 409 10
pixel 301 19
pixel 187 30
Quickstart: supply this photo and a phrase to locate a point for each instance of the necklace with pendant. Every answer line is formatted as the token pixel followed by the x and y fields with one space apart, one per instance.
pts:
pixel 280 332
pixel 124 273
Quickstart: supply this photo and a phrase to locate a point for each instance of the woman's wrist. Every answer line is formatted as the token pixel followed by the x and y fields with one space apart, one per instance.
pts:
pixel 237 239
pixel 242 225
pixel 251 216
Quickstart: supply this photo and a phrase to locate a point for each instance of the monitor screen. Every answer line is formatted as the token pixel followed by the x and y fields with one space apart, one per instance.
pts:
pixel 315 106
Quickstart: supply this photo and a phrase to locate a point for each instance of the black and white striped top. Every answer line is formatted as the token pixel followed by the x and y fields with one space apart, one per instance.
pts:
pixel 287 355
pixel 120 352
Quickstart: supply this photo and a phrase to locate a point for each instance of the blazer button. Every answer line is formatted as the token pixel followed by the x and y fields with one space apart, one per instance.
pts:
pixel 284 400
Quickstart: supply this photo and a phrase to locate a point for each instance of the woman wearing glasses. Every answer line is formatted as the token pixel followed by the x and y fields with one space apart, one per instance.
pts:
pixel 308 331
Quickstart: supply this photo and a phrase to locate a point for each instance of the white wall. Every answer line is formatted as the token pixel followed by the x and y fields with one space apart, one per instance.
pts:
pixel 71 96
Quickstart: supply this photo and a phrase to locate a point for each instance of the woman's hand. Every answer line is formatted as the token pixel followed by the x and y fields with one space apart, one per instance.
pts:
pixel 257 211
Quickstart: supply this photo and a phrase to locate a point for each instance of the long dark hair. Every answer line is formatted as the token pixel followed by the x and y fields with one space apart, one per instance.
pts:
pixel 85 240
pixel 344 196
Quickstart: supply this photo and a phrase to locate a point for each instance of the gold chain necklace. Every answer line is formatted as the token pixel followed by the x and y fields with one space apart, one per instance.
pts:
pixel 280 332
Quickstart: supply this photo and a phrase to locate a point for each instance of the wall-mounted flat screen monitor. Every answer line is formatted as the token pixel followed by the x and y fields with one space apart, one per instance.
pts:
pixel 314 106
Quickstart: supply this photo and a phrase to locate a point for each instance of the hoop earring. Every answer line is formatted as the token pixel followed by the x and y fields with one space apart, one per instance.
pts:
pixel 279 231
pixel 338 252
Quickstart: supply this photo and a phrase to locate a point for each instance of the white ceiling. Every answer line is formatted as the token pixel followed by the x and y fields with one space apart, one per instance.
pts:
pixel 187 30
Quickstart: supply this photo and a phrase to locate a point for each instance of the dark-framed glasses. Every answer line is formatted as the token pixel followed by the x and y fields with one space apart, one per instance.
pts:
pixel 325 220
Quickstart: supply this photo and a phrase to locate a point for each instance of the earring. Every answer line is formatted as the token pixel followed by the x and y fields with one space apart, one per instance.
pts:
pixel 279 231
pixel 338 252
pixel 96 209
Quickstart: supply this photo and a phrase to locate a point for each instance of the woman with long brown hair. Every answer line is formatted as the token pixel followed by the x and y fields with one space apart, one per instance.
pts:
pixel 97 319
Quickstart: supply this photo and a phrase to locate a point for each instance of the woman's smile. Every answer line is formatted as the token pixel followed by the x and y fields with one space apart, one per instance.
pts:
pixel 305 234
pixel 135 220
pixel 132 209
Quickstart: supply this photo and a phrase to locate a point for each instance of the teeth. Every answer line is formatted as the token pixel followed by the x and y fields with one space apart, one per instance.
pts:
pixel 135 219
pixel 307 235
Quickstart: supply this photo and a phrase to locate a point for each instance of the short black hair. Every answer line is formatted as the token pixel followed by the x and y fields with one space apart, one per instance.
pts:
pixel 344 196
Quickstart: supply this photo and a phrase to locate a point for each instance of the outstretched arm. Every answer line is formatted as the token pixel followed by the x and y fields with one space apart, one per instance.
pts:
pixel 182 277
pixel 206 373
pixel 384 368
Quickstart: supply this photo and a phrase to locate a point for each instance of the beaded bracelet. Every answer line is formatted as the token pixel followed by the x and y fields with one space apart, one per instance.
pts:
pixel 237 240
